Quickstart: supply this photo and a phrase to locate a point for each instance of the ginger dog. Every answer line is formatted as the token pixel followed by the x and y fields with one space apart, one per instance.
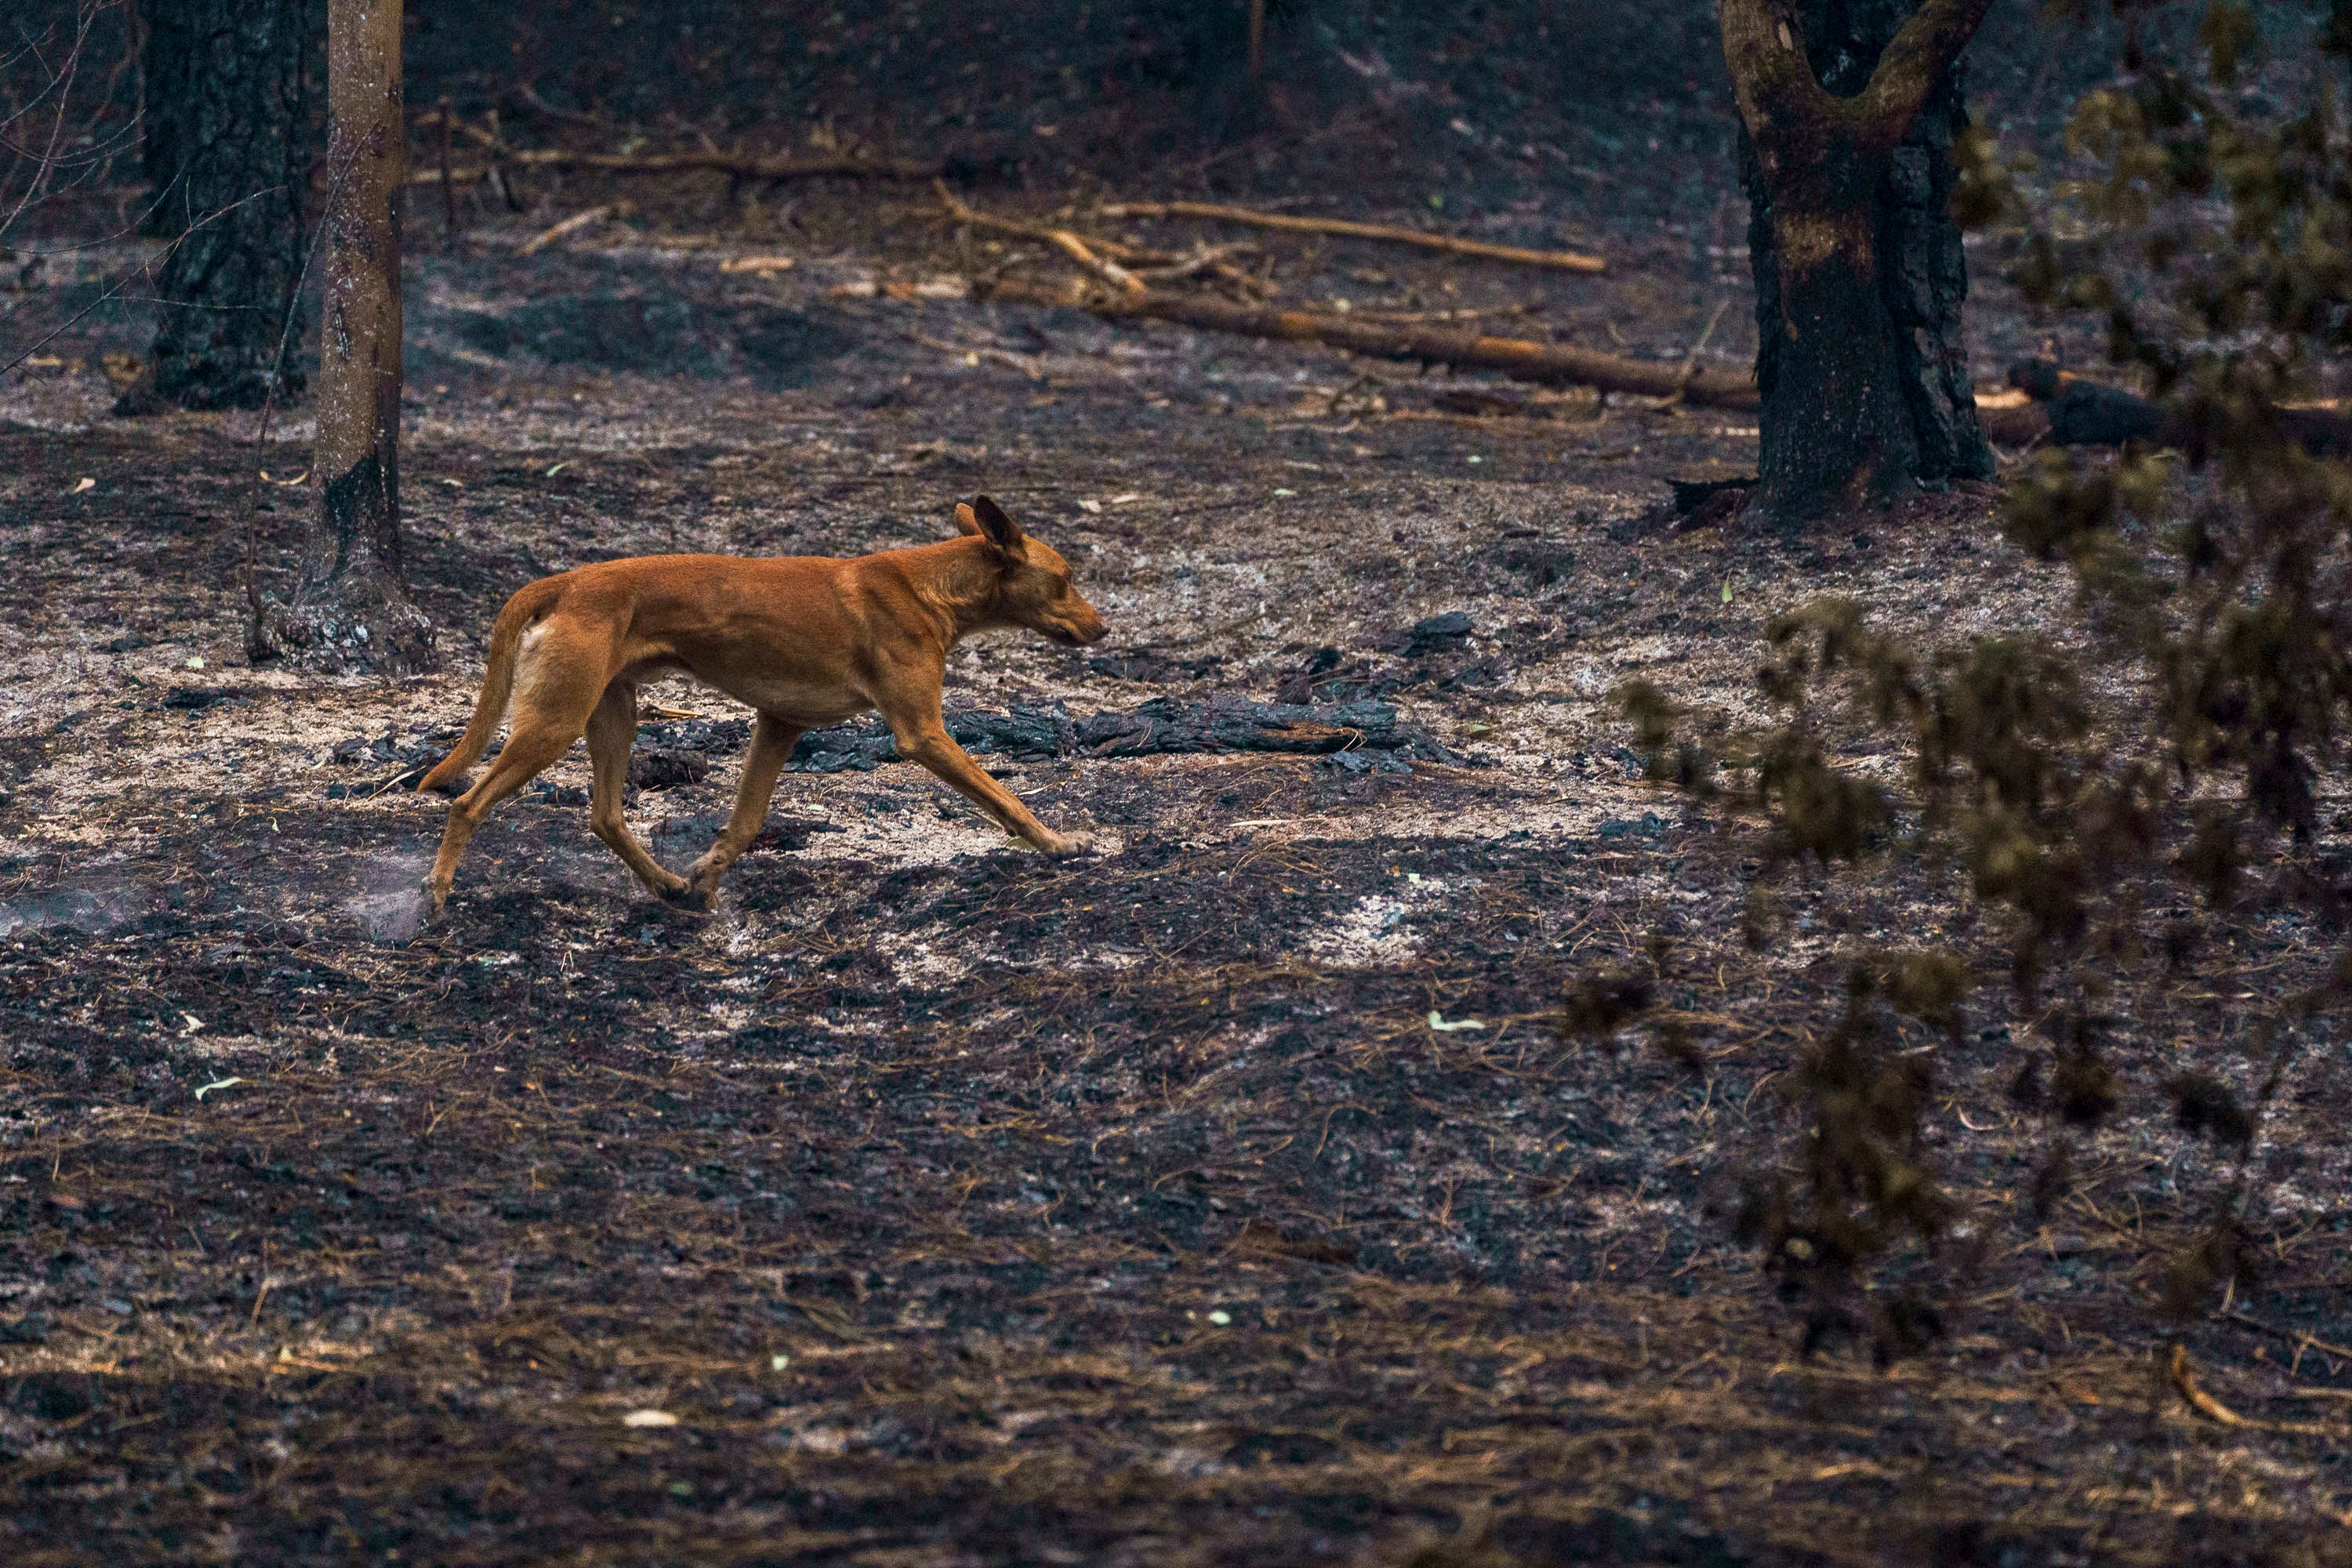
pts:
pixel 805 640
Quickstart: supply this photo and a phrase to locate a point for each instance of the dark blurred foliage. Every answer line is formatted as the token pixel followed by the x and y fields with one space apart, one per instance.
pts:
pixel 2126 787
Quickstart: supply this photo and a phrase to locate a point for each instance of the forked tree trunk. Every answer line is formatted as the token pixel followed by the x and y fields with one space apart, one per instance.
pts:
pixel 1858 272
pixel 349 608
pixel 225 148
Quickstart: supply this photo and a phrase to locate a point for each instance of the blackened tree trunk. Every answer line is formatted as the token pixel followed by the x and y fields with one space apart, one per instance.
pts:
pixel 164 60
pixel 1848 113
pixel 349 608
pixel 226 149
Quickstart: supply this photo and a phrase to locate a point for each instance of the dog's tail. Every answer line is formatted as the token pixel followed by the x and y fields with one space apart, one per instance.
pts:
pixel 522 612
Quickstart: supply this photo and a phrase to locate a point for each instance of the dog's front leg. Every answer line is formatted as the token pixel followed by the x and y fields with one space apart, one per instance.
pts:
pixel 772 748
pixel 931 745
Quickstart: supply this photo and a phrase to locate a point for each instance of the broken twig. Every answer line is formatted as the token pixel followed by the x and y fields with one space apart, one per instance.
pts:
pixel 2200 1400
pixel 1082 251
pixel 571 226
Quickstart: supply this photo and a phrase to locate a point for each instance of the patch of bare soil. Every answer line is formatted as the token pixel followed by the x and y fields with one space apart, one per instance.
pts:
pixel 1228 1196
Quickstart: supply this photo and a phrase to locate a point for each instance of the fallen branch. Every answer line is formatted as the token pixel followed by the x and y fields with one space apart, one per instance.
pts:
pixel 1111 260
pixel 1212 259
pixel 2196 1398
pixel 1567 261
pixel 2184 1382
pixel 1109 271
pixel 449 174
pixel 1690 364
pixel 1544 363
pixel 956 210
pixel 2300 1341
pixel 571 226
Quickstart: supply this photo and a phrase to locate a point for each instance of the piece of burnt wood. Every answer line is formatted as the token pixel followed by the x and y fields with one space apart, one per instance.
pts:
pixel 2090 414
pixel 666 767
pixel 1690 495
pixel 1160 727
pixel 1165 726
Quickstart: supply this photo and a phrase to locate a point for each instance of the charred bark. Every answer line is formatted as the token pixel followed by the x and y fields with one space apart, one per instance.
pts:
pixel 349 608
pixel 1849 112
pixel 226 152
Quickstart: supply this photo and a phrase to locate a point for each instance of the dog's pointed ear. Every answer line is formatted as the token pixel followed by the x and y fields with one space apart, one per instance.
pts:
pixel 965 521
pixel 994 525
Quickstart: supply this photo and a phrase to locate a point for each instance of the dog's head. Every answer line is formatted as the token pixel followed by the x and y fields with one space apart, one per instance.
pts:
pixel 1033 584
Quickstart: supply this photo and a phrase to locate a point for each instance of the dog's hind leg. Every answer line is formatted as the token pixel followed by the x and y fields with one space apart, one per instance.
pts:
pixel 612 730
pixel 532 746
pixel 772 748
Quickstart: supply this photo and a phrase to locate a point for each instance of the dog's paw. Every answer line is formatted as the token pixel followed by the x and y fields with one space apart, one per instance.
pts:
pixel 1068 845
pixel 690 896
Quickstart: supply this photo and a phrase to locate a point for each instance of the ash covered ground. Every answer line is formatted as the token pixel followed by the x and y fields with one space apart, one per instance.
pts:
pixel 1230 1195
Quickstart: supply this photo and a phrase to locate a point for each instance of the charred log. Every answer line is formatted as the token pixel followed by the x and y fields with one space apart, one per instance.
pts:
pixel 1557 364
pixel 1026 733
pixel 2090 414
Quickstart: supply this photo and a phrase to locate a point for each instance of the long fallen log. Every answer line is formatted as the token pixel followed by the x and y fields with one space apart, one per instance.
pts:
pixel 1518 358
pixel 1029 733
pixel 1567 261
pixel 1160 727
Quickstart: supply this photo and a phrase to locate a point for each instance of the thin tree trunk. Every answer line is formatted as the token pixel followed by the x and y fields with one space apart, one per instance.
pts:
pixel 1848 112
pixel 349 607
pixel 227 151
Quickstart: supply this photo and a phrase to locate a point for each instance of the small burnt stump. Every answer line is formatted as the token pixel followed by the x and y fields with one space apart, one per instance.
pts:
pixel 666 767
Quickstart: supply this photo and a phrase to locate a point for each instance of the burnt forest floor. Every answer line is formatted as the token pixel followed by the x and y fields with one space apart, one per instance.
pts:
pixel 1228 1196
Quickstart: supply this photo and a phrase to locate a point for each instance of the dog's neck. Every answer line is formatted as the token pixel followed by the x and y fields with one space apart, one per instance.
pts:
pixel 961 582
